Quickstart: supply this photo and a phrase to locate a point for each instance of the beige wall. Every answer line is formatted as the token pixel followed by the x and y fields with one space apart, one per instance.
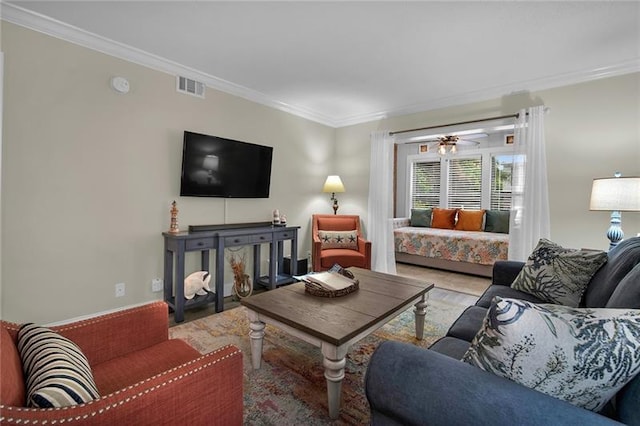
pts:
pixel 88 175
pixel 592 130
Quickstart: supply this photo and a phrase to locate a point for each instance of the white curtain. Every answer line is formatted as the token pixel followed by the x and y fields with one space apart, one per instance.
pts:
pixel 530 195
pixel 380 212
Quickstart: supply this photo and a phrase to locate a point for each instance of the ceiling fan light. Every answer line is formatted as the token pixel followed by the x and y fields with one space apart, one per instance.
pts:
pixel 453 149
pixel 442 149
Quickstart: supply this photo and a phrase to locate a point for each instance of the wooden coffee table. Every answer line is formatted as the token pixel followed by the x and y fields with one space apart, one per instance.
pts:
pixel 334 324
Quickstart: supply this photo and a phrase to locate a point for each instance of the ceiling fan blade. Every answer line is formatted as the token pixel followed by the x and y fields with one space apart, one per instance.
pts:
pixel 462 135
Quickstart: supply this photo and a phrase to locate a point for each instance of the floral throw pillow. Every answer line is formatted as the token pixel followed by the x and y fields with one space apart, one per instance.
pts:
pixel 338 239
pixel 558 275
pixel 582 356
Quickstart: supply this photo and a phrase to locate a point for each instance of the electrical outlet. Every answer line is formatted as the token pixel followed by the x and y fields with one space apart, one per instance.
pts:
pixel 120 290
pixel 156 284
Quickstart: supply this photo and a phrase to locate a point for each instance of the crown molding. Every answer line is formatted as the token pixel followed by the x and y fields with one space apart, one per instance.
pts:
pixel 52 27
pixel 549 82
pixel 17 15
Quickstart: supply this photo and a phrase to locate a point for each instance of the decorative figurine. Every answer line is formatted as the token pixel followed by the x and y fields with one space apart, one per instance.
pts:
pixel 173 228
pixel 276 217
pixel 283 219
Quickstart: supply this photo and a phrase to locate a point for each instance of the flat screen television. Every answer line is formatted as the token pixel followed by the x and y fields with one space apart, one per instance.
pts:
pixel 219 167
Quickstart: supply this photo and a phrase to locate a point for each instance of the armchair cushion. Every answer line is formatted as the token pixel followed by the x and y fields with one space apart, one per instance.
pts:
pixel 343 257
pixel 558 275
pixel 338 239
pixel 57 372
pixel 138 366
pixel 582 356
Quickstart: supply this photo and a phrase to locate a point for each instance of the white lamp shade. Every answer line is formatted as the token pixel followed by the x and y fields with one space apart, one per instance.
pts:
pixel 333 184
pixel 616 194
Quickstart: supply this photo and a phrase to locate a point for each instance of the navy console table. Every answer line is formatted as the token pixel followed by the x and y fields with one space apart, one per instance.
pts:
pixel 217 237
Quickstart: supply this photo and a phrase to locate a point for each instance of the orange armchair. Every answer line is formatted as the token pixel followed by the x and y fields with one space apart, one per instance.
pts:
pixel 143 376
pixel 358 254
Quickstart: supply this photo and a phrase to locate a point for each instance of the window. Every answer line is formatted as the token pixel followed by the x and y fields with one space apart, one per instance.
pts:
pixel 482 181
pixel 502 170
pixel 464 189
pixel 425 184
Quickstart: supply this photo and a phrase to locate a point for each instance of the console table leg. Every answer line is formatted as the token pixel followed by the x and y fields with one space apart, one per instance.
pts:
pixel 334 362
pixel 256 335
pixel 420 312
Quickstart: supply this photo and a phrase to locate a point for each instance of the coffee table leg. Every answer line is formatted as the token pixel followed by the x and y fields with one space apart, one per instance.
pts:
pixel 334 362
pixel 256 334
pixel 420 312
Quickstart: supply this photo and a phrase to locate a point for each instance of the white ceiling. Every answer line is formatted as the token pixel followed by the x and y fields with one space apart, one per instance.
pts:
pixel 341 63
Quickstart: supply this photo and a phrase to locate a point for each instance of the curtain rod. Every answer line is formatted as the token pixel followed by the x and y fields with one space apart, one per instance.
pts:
pixel 516 115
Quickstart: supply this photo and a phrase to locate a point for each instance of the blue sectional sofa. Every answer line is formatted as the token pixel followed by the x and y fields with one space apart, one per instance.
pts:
pixel 407 385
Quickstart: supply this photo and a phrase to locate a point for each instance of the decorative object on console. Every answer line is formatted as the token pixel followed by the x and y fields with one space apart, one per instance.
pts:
pixel 333 184
pixel 558 275
pixel 173 228
pixel 616 194
pixel 197 283
pixel 276 217
pixel 242 286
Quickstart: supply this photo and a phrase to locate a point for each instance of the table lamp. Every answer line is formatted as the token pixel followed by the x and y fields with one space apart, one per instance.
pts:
pixel 615 194
pixel 333 184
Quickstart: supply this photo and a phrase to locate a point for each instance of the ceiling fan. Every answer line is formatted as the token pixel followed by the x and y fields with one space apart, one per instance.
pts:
pixel 449 143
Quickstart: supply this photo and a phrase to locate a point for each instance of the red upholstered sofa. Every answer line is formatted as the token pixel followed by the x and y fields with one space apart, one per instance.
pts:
pixel 143 377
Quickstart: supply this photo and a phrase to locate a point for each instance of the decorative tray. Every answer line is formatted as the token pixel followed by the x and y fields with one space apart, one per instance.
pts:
pixel 338 276
pixel 317 290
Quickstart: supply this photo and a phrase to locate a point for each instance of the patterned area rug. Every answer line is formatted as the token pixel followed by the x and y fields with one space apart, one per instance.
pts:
pixel 290 388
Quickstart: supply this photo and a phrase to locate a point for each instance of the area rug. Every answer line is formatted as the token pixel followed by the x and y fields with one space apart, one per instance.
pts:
pixel 290 388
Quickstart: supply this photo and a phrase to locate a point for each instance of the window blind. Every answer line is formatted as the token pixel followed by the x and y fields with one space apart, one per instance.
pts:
pixel 425 185
pixel 502 167
pixel 465 183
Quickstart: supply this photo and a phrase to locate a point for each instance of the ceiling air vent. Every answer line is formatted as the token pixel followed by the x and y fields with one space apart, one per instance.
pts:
pixel 189 86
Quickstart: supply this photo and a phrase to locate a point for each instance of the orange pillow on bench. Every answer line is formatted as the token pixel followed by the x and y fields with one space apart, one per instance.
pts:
pixel 443 218
pixel 469 220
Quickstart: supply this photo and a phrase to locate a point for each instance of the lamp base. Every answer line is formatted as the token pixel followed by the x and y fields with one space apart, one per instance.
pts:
pixel 614 233
pixel 335 203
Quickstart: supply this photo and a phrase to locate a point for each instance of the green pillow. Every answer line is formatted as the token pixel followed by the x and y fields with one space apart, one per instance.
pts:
pixel 497 221
pixel 421 217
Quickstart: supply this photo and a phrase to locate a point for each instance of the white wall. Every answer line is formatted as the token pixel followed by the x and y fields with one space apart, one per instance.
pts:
pixel 592 131
pixel 88 175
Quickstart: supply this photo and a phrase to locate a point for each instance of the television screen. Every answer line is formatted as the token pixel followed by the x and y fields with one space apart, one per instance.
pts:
pixel 219 167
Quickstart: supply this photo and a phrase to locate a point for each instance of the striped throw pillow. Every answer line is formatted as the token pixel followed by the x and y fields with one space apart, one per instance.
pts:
pixel 57 372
